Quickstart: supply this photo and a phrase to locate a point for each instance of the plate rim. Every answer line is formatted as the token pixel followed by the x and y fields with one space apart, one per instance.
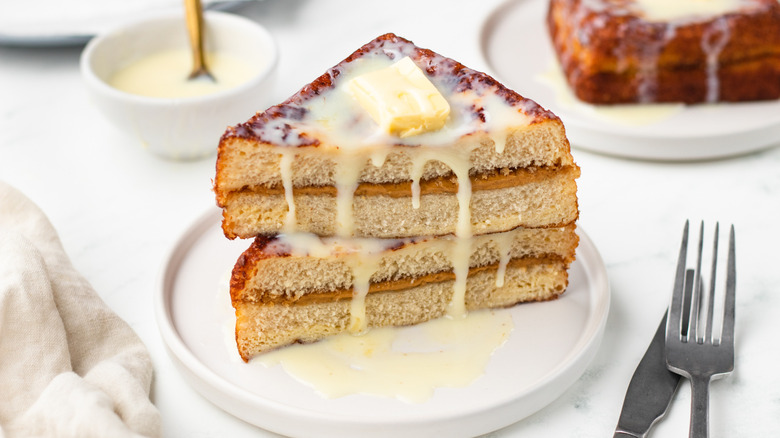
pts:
pixel 205 380
pixel 81 36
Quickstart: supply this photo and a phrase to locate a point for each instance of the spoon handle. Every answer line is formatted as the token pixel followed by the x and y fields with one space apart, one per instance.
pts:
pixel 194 16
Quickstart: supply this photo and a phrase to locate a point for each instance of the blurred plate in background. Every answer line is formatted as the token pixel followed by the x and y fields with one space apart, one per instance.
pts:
pixel 56 23
pixel 516 45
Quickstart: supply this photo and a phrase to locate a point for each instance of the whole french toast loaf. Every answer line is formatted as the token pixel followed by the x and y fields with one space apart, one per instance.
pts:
pixel 641 51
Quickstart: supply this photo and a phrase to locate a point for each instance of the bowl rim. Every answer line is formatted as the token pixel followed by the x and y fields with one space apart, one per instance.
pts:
pixel 100 85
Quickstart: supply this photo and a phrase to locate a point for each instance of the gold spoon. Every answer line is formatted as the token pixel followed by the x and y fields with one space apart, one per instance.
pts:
pixel 194 15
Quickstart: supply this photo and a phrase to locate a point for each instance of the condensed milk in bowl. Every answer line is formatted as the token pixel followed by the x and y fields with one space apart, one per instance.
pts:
pixel 138 76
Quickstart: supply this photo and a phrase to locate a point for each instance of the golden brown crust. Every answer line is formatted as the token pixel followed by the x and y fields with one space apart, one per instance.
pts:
pixel 246 265
pixel 291 108
pixel 609 57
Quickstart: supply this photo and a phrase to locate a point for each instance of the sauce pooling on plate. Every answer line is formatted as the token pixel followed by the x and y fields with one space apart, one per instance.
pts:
pixel 406 363
pixel 165 75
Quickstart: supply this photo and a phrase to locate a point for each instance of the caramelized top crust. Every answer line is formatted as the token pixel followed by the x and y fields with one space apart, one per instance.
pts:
pixel 276 125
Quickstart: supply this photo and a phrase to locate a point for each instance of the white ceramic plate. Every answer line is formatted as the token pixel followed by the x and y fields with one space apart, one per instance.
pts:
pixel 516 46
pixel 53 23
pixel 549 349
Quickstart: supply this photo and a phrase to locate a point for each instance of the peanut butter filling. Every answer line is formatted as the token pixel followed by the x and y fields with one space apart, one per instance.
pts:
pixel 498 179
pixel 397 285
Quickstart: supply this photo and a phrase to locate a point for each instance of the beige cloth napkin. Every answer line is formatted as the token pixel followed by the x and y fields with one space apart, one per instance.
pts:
pixel 69 366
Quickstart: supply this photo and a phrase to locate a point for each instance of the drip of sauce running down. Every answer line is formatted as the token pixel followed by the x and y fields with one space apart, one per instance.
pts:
pixel 285 169
pixel 406 363
pixel 504 247
pixel 362 270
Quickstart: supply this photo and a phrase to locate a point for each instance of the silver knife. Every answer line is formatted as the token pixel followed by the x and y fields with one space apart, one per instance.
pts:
pixel 650 391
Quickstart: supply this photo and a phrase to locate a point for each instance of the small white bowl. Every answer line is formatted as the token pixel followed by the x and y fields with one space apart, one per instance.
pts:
pixel 180 128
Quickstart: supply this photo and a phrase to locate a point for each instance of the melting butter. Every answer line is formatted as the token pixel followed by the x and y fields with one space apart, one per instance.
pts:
pixel 406 363
pixel 164 74
pixel 401 99
pixel 341 122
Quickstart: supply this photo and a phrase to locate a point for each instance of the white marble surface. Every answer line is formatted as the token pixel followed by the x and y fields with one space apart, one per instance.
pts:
pixel 118 210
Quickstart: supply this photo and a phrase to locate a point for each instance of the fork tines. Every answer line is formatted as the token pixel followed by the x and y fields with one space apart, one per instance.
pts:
pixel 689 287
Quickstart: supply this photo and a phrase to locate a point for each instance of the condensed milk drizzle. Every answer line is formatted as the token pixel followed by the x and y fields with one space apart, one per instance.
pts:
pixel 714 39
pixel 355 142
pixel 379 156
pixel 418 166
pixel 504 247
pixel 348 168
pixel 461 254
pixel 363 266
pixel 285 170
pixel 407 363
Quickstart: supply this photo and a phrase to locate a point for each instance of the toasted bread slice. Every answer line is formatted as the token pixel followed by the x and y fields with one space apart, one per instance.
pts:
pixel 320 149
pixel 301 289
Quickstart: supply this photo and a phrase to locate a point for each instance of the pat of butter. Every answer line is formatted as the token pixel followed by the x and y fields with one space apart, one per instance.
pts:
pixel 401 99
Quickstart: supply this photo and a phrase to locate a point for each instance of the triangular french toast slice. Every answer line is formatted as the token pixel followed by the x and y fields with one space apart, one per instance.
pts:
pixel 319 163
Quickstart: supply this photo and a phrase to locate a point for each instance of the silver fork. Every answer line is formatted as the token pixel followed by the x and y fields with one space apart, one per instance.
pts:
pixel 691 349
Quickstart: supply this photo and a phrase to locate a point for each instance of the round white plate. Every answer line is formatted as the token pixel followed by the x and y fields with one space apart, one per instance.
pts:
pixel 55 23
pixel 550 347
pixel 516 45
